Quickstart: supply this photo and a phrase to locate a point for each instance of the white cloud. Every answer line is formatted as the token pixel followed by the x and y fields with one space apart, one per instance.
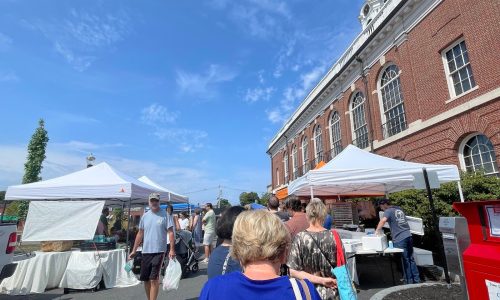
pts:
pixel 79 63
pixel 8 77
pixel 294 94
pixel 257 94
pixel 156 113
pixel 186 140
pixel 204 84
pixel 67 117
pixel 5 42
pixel 81 36
pixel 259 18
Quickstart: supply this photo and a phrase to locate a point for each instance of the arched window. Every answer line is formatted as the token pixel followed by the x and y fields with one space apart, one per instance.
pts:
pixel 295 163
pixel 393 117
pixel 359 127
pixel 285 163
pixel 305 154
pixel 335 135
pixel 478 154
pixel 318 145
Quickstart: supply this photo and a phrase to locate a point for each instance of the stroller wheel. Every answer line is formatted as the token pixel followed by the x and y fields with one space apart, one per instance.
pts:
pixel 194 268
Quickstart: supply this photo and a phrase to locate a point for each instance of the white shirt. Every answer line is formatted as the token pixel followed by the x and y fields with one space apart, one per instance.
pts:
pixel 184 223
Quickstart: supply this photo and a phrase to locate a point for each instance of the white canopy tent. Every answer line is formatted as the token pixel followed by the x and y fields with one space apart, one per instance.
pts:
pixel 355 172
pixel 100 182
pixel 170 196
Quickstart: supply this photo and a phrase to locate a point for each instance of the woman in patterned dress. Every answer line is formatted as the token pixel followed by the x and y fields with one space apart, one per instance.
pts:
pixel 314 252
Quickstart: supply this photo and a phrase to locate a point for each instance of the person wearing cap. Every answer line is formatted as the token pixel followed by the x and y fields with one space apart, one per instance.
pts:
pixel 155 232
pixel 401 237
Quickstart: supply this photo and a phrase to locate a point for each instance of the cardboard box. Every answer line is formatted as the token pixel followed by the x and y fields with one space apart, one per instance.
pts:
pixel 373 242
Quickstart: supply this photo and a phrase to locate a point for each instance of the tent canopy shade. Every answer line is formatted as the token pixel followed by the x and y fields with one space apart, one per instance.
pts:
pixel 170 196
pixel 358 172
pixel 100 182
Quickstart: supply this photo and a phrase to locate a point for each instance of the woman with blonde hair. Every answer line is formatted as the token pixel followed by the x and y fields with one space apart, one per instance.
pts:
pixel 314 253
pixel 260 242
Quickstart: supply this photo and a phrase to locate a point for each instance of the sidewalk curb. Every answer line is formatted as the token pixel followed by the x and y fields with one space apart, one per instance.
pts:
pixel 380 295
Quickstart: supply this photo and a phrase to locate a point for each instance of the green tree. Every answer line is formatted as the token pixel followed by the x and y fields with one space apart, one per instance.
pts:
pixel 223 203
pixel 33 166
pixel 264 198
pixel 247 198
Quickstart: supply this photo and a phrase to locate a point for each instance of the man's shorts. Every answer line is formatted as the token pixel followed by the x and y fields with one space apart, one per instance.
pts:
pixel 208 238
pixel 151 266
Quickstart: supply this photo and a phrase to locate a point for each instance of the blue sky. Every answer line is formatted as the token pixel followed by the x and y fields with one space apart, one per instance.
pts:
pixel 189 93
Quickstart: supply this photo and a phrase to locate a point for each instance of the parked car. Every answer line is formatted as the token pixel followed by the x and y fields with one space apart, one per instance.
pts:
pixel 8 239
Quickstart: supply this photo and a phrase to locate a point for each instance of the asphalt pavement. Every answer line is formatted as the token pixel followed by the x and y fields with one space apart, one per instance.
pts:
pixel 374 278
pixel 189 289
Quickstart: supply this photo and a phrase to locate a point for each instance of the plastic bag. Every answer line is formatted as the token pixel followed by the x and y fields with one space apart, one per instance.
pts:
pixel 173 275
pixel 129 265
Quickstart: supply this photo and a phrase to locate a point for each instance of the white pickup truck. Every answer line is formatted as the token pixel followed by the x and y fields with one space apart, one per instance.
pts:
pixel 8 239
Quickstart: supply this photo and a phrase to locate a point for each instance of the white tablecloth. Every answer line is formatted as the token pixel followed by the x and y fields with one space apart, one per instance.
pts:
pixel 34 275
pixel 85 270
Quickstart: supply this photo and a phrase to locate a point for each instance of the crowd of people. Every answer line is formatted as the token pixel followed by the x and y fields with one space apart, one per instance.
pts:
pixel 282 252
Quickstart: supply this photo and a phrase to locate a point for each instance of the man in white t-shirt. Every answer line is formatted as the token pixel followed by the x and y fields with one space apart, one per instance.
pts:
pixel 155 232
pixel 208 237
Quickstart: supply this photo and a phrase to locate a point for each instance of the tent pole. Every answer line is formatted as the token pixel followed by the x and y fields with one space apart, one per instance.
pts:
pixel 128 224
pixel 312 192
pixel 460 191
pixel 436 227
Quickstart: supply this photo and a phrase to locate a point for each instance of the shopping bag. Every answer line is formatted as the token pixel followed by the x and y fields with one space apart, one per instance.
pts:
pixel 341 272
pixel 172 276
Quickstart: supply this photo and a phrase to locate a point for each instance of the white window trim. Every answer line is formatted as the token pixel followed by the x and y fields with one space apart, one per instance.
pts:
pixel 315 144
pixel 351 114
pixel 379 93
pixel 295 160
pixel 449 80
pixel 461 149
pixel 302 151
pixel 285 164
pixel 331 129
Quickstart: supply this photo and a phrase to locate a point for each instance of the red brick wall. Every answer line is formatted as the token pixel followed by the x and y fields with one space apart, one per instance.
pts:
pixel 425 89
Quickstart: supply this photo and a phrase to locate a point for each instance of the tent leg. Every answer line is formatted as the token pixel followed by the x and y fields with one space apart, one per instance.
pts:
pixel 460 192
pixel 128 225
pixel 436 226
pixel 312 192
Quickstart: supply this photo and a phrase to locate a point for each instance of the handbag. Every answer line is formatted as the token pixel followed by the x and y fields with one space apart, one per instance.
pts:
pixel 341 272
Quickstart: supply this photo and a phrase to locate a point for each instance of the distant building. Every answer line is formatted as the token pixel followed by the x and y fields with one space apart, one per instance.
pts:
pixel 420 83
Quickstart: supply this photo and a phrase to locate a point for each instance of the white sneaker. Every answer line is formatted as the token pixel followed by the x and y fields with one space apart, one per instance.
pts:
pixel 205 261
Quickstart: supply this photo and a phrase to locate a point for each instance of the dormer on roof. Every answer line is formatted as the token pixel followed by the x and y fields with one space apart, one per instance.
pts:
pixel 369 10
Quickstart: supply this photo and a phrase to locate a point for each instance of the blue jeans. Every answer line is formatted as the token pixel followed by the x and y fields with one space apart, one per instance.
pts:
pixel 409 266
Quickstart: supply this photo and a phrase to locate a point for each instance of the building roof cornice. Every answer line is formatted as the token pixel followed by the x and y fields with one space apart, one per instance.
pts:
pixel 388 10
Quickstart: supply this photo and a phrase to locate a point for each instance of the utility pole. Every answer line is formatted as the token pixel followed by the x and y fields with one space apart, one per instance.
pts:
pixel 219 196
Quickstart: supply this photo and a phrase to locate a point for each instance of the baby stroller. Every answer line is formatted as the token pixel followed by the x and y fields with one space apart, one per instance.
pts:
pixel 186 253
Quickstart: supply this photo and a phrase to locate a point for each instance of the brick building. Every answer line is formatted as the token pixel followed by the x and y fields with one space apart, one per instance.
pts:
pixel 420 83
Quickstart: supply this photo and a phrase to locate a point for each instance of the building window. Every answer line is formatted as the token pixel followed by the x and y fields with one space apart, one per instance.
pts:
pixel 393 118
pixel 277 177
pixel 478 154
pixel 305 155
pixel 359 127
pixel 295 163
pixel 285 163
pixel 335 135
pixel 458 69
pixel 318 145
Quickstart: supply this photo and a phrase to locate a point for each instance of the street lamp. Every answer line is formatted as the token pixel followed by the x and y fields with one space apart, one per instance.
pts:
pixel 90 160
